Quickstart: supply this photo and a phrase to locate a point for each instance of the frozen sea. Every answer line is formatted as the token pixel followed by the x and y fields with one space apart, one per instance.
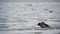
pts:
pixel 23 17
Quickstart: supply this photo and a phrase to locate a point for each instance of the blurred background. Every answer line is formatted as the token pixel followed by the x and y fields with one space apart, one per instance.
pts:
pixel 22 16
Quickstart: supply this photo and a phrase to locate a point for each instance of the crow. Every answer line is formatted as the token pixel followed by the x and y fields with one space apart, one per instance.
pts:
pixel 43 25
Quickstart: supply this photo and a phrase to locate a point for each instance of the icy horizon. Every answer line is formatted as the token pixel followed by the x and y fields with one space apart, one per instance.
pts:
pixel 29 0
pixel 34 4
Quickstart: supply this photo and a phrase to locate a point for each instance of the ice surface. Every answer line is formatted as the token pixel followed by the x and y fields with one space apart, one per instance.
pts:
pixel 23 17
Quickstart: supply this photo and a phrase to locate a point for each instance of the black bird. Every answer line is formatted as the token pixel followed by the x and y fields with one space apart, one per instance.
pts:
pixel 43 25
pixel 50 11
